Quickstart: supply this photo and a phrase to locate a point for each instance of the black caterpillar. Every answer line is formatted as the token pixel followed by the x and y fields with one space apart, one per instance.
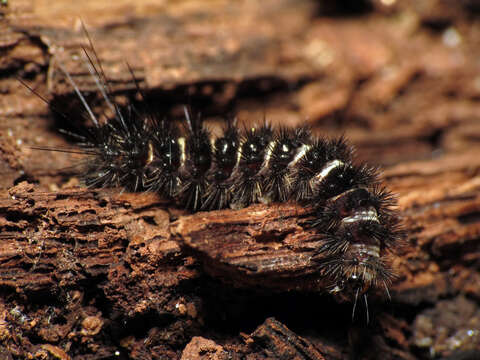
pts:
pixel 354 213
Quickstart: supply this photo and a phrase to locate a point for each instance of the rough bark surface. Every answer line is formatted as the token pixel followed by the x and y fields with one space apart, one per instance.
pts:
pixel 99 274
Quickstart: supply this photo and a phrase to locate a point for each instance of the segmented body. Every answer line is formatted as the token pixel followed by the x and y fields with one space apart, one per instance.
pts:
pixel 354 215
pixel 200 173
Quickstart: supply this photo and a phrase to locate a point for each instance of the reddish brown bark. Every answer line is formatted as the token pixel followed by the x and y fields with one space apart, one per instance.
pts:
pixel 90 273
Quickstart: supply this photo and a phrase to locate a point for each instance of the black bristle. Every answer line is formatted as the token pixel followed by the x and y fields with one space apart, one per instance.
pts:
pixel 121 154
pixel 313 162
pixel 341 178
pixel 218 194
pixel 278 180
pixel 248 185
pixel 163 168
pixel 197 163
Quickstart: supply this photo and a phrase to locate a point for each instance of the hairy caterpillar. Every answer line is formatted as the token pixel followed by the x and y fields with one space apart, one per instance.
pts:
pixel 138 151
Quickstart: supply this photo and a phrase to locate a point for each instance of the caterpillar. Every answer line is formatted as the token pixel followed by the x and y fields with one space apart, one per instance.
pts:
pixel 138 151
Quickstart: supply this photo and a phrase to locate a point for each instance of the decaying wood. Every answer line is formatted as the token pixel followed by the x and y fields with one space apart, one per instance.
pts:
pixel 128 246
pixel 92 274
pixel 280 342
pixel 257 245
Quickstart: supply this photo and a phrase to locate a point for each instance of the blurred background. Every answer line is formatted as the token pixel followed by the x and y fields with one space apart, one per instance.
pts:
pixel 383 72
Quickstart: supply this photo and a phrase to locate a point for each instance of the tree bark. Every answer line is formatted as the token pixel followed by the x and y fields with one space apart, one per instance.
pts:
pixel 92 274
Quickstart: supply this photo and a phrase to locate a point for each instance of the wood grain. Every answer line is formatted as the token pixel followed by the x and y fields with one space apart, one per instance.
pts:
pixel 90 274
